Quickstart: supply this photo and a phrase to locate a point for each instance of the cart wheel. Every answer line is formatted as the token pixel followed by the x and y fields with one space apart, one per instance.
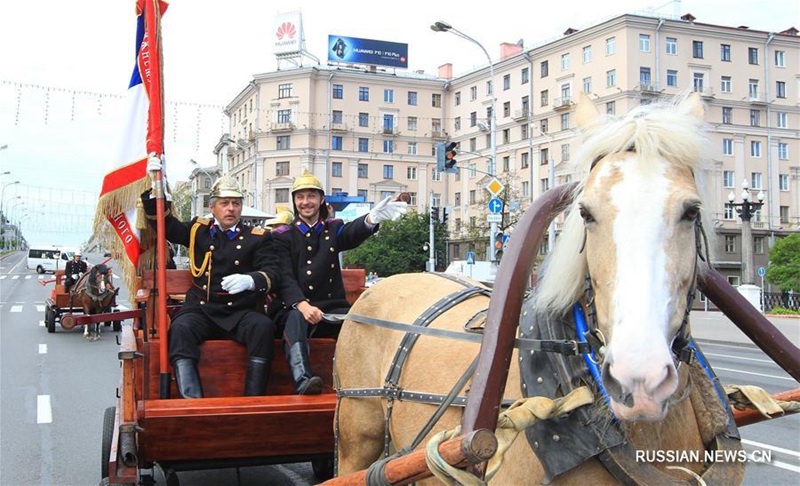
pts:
pixel 323 468
pixel 50 319
pixel 172 478
pixel 117 325
pixel 108 436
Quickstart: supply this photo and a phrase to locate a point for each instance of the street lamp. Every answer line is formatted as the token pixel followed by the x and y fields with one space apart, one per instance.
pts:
pixel 445 27
pixel 196 195
pixel 2 195
pixel 255 171
pixel 746 209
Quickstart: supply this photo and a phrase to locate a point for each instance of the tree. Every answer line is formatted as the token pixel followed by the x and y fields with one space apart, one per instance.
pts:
pixel 784 263
pixel 398 247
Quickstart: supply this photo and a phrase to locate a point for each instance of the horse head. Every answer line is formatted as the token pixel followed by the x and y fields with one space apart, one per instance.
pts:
pixel 631 241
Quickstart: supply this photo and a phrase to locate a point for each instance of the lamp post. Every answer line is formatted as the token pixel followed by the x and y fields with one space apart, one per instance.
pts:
pixel 746 209
pixel 196 211
pixel 2 195
pixel 255 171
pixel 445 27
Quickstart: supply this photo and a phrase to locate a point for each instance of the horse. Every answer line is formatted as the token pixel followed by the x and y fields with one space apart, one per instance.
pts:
pixel 95 292
pixel 624 267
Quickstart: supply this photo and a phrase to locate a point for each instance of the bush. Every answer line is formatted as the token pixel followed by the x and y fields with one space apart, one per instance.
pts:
pixel 784 311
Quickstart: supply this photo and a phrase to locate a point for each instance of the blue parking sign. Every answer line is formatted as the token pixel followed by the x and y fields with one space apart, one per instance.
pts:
pixel 470 258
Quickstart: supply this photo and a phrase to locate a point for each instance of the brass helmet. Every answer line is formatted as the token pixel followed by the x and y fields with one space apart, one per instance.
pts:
pixel 77 253
pixel 284 216
pixel 226 186
pixel 307 181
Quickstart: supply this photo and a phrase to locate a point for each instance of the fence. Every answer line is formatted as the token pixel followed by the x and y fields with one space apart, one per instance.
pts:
pixel 786 300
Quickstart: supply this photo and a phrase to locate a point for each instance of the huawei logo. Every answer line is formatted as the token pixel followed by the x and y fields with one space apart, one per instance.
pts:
pixel 286 29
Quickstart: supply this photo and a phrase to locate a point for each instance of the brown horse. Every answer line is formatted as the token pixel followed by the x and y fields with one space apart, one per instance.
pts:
pixel 634 233
pixel 95 292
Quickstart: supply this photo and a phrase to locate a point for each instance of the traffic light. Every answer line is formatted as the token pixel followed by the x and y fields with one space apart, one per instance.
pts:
pixel 434 213
pixel 498 245
pixel 440 154
pixel 450 155
pixel 445 214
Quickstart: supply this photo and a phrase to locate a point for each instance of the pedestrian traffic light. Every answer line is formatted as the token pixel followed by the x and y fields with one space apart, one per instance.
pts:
pixel 434 213
pixel 445 214
pixel 450 155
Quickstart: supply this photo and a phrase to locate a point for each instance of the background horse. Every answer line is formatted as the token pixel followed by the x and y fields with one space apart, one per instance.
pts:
pixel 634 232
pixel 95 292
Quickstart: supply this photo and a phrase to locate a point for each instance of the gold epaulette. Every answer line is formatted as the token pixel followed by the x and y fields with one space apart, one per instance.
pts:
pixel 204 221
pixel 259 231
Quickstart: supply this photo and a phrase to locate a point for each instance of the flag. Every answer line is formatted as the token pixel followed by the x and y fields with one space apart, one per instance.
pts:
pixel 117 211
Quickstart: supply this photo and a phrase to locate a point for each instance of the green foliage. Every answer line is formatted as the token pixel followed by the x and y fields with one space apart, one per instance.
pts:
pixel 784 263
pixel 398 246
pixel 784 311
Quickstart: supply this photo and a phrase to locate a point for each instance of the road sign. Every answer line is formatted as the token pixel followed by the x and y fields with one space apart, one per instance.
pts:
pixel 762 271
pixel 470 258
pixel 494 218
pixel 495 187
pixel 506 236
pixel 495 205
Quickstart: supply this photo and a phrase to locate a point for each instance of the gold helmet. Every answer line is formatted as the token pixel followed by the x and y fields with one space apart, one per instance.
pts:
pixel 283 217
pixel 307 181
pixel 226 186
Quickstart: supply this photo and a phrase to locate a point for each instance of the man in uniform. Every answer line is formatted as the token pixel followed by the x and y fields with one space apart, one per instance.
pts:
pixel 73 271
pixel 233 266
pixel 311 283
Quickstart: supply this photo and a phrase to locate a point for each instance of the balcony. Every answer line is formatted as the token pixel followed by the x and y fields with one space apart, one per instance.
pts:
pixel 562 103
pixel 758 98
pixel 338 127
pixel 251 136
pixel 704 92
pixel 520 115
pixel 390 131
pixel 438 135
pixel 282 127
pixel 648 88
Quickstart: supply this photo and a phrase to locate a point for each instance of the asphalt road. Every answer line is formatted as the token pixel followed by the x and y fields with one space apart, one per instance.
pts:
pixel 54 389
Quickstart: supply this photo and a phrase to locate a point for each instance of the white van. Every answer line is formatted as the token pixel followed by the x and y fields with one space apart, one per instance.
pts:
pixel 481 271
pixel 48 259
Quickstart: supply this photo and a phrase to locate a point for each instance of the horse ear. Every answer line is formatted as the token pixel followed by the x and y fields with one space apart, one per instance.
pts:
pixel 585 111
pixel 693 105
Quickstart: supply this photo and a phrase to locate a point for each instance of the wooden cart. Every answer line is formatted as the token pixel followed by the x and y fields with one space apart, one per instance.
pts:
pixel 65 310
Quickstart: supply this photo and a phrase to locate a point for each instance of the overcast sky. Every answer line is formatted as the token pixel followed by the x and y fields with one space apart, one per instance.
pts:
pixel 64 68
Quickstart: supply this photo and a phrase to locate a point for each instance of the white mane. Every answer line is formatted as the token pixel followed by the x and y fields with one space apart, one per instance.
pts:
pixel 670 131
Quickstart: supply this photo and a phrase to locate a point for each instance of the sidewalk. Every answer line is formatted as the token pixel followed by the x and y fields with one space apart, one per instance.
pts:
pixel 715 326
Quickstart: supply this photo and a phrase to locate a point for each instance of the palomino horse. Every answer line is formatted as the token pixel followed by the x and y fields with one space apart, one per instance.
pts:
pixel 631 247
pixel 95 292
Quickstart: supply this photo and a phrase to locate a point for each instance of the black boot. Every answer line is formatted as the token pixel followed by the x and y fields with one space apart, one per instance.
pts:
pixel 255 382
pixel 304 382
pixel 188 378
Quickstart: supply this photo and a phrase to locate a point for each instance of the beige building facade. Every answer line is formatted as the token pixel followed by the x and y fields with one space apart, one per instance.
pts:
pixel 372 132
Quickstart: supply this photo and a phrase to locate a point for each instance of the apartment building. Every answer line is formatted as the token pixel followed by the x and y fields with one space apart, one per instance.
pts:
pixel 372 133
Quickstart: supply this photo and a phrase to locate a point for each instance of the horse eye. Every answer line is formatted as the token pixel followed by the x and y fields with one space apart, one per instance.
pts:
pixel 586 215
pixel 691 213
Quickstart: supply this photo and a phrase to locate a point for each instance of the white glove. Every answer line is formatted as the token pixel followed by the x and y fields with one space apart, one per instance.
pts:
pixel 387 209
pixel 154 164
pixel 238 282
pixel 75 276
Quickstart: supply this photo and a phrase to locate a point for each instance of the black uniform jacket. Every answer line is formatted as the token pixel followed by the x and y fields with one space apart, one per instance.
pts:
pixel 250 251
pixel 74 267
pixel 312 271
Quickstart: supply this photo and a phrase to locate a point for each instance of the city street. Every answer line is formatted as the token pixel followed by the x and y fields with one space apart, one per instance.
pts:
pixel 54 389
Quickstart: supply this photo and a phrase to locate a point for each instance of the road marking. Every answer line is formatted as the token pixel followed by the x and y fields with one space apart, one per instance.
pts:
pixel 786 466
pixel 756 374
pixel 44 414
pixel 27 277
pixel 15 277
pixel 16 308
pixel 39 308
pixel 2 277
pixel 740 357
pixel 771 447
pixel 42 349
pixel 41 323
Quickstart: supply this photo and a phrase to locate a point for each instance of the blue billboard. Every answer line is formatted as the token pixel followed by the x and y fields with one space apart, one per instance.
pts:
pixel 367 51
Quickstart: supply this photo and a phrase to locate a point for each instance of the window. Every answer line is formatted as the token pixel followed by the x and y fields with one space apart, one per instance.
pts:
pixel 473 118
pixel 780 59
pixel 336 116
pixel 784 214
pixel 336 169
pixel 388 172
pixel 411 173
pixel 544 97
pixel 780 89
pixel 644 42
pixel 698 82
pixel 458 98
pixel 436 176
pixel 473 93
pixel 523 131
pixel 489 88
pixel 587 85
pixel 363 171
pixel 526 188
pixel 783 151
pixel 457 199
pixel 282 195
pixel 363 193
pixel 752 55
pixel 281 168
pixel 611 108
pixel 725 84
pixel 564 151
pixel 611 46
pixel 544 69
pixel 544 156
pixel 388 146
pixel 436 100
pixel 672 46
pixel 587 54
pixel 526 106
pixel 727 115
pixel 727 179
pixel 755 149
pixel 783 182
pixel 507 109
pixel 611 78
pixel 752 89
pixel 412 124
pixel 727 146
pixel 506 82
pixel 363 93
pixel 284 90
pixel 728 214
pixel 725 52
pixel 781 119
pixel 363 145
pixel 565 121
pixel 506 135
pixel 672 77
pixel 730 243
pixel 388 95
pixel 755 118
pixel 644 77
pixel 506 163
pixel 363 119
pixel 524 76
pixel 544 125
pixel 284 116
pixel 697 49
pixel 338 91
pixel 412 98
pixel 472 196
pixel 473 144
pixel 388 123
pixel 544 185
pixel 457 123
pixel 523 160
pixel 565 61
pixel 412 148
pixel 755 180
pixel 282 142
pixel 336 142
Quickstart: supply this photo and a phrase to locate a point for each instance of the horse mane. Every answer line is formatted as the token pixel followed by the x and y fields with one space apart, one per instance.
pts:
pixel 664 130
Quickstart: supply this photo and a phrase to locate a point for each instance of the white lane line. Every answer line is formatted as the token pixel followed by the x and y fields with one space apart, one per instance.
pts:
pixel 42 349
pixel 15 277
pixel 16 308
pixel 771 447
pixel 27 277
pixel 783 465
pixel 44 414
pixel 2 277
pixel 755 374
pixel 39 308
pixel 740 358
pixel 41 323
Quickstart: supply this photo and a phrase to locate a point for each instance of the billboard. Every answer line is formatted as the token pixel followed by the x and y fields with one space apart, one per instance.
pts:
pixel 367 51
pixel 288 33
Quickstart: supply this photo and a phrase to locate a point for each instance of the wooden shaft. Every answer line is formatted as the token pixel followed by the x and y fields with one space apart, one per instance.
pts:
pixel 747 417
